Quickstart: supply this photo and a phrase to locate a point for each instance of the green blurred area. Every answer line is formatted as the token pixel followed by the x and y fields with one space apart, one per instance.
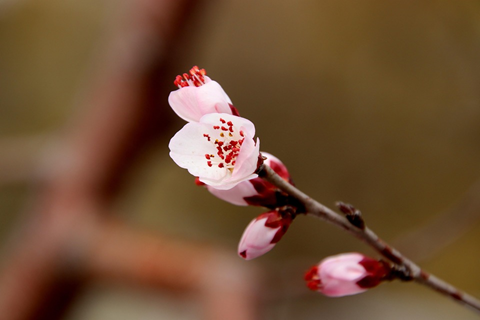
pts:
pixel 373 103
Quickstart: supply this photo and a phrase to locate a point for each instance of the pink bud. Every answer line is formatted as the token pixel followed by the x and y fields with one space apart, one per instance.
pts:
pixel 254 192
pixel 346 274
pixel 263 233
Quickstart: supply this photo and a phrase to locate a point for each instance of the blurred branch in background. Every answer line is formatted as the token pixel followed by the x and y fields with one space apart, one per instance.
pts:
pixel 20 158
pixel 68 237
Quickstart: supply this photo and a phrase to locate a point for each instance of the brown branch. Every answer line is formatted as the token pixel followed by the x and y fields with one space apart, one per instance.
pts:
pixel 119 115
pixel 366 235
pixel 123 255
pixel 20 157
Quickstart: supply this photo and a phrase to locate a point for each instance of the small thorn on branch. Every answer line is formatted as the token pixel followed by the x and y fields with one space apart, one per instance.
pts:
pixel 353 215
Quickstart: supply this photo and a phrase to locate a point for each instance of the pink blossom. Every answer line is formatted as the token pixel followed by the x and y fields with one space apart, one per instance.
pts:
pixel 255 192
pixel 263 233
pixel 198 95
pixel 219 149
pixel 346 274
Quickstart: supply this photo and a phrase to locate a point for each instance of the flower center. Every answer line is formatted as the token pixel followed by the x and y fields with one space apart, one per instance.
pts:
pixel 227 140
pixel 195 78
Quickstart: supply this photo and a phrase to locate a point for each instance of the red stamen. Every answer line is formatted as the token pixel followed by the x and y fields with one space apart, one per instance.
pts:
pixel 178 81
pixel 196 77
pixel 227 150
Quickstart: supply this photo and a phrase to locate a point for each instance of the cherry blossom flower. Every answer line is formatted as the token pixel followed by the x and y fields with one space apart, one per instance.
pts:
pixel 219 149
pixel 346 274
pixel 263 233
pixel 255 192
pixel 198 95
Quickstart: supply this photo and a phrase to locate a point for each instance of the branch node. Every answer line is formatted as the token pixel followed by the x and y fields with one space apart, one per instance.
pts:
pixel 353 215
pixel 399 272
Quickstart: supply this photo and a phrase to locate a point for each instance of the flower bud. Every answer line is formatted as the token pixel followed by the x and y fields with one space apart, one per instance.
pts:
pixel 255 192
pixel 263 233
pixel 346 274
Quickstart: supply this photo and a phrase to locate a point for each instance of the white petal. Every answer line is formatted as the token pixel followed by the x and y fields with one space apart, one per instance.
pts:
pixel 188 148
pixel 236 195
pixel 191 103
pixel 256 240
pixel 247 160
pixel 240 123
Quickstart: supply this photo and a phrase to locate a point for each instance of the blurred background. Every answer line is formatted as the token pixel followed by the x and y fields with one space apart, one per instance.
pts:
pixel 373 103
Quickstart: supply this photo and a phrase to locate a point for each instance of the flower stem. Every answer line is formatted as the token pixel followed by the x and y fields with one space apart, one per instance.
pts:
pixel 318 210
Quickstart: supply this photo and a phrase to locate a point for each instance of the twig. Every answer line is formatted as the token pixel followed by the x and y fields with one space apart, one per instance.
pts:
pixel 413 271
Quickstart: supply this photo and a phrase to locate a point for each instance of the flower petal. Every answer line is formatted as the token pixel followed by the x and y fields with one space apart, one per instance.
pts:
pixel 236 195
pixel 188 148
pixel 345 274
pixel 256 240
pixel 191 103
pixel 247 160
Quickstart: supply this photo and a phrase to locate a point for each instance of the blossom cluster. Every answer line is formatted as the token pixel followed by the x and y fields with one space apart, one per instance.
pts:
pixel 219 148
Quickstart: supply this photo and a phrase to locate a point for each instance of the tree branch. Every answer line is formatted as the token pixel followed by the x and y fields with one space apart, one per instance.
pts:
pixel 318 210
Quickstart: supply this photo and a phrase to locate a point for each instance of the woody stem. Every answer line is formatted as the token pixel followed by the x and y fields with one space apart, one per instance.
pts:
pixel 318 210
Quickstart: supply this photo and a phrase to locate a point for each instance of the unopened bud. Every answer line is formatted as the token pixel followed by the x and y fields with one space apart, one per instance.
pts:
pixel 346 274
pixel 263 233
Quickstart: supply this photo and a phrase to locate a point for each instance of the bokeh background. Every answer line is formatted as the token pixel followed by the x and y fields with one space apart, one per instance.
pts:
pixel 370 102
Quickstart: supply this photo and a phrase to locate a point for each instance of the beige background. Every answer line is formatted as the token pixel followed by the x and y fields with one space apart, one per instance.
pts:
pixel 370 102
